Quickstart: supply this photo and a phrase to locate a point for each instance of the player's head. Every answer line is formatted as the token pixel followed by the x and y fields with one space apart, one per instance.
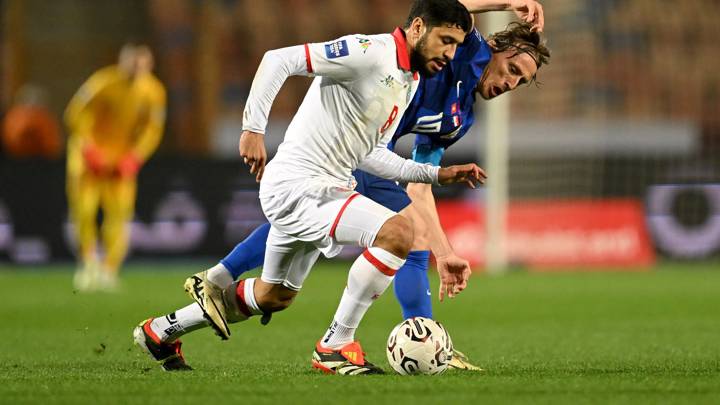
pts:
pixel 518 53
pixel 136 59
pixel 434 29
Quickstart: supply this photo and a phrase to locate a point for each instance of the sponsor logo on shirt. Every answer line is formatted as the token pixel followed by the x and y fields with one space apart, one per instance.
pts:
pixel 364 44
pixel 432 124
pixel 337 49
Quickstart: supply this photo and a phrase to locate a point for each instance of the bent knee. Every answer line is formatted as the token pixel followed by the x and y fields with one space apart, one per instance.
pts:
pixel 276 299
pixel 396 236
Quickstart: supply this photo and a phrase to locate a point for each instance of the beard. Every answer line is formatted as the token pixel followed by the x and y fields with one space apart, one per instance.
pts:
pixel 418 62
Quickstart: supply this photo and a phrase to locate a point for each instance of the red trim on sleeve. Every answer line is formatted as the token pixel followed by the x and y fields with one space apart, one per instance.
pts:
pixel 307 59
pixel 403 58
pixel 342 210
pixel 382 267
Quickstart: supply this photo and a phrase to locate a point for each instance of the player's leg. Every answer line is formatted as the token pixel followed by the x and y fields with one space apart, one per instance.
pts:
pixel 83 201
pixel 118 203
pixel 246 256
pixel 416 279
pixel 412 287
pixel 159 336
pixel 286 265
pixel 388 238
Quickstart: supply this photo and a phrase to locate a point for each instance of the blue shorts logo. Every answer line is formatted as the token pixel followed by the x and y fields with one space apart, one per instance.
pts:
pixel 336 49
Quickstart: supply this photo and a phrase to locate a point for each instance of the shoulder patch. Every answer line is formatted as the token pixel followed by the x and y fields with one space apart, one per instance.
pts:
pixel 337 49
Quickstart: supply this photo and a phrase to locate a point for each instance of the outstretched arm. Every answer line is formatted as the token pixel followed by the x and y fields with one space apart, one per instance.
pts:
pixel 527 10
pixel 454 271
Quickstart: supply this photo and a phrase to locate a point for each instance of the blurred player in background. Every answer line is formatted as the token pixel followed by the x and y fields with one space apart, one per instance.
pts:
pixel 115 121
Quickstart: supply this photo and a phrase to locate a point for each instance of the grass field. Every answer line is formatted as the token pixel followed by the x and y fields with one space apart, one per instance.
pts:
pixel 558 338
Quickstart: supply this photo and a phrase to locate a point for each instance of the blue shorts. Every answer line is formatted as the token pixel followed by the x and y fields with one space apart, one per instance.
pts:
pixel 384 192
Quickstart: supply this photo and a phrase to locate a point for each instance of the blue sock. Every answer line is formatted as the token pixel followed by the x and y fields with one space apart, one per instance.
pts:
pixel 249 253
pixel 412 287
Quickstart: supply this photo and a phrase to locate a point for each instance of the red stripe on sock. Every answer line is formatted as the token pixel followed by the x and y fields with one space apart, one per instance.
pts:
pixel 342 210
pixel 382 267
pixel 240 294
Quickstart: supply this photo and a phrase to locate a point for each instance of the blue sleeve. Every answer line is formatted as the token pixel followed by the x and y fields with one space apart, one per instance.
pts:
pixel 426 151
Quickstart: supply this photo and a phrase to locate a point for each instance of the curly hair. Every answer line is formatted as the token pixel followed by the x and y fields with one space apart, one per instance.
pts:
pixel 520 37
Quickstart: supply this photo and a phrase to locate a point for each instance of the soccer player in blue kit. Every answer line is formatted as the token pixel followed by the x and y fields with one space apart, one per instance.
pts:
pixel 440 114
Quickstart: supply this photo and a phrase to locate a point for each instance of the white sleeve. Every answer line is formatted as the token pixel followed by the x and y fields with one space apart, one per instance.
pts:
pixel 276 66
pixel 385 163
pixel 346 58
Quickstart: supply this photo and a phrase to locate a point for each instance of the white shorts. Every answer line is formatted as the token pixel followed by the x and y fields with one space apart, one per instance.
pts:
pixel 309 217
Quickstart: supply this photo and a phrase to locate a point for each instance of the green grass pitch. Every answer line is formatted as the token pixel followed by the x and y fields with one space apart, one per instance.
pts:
pixel 551 338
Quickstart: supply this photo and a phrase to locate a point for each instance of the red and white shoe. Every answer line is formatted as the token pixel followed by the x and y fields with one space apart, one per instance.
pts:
pixel 348 360
pixel 168 355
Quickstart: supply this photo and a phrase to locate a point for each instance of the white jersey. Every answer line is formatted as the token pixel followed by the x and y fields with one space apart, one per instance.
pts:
pixel 349 114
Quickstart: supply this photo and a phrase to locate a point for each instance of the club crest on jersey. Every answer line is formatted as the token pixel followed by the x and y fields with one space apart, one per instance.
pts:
pixel 364 44
pixel 337 49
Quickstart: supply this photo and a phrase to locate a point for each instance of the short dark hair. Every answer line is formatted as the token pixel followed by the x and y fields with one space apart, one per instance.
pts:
pixel 440 12
pixel 520 37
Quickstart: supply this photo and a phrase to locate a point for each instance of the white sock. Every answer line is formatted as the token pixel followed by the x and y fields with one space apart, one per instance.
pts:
pixel 369 277
pixel 185 320
pixel 220 276
pixel 245 298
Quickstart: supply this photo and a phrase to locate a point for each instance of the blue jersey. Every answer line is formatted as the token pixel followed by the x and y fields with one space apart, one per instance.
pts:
pixel 442 110
pixel 440 113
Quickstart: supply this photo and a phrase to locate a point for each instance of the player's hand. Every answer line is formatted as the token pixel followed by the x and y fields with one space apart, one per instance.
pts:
pixel 470 173
pixel 529 11
pixel 252 150
pixel 129 166
pixel 454 273
pixel 94 159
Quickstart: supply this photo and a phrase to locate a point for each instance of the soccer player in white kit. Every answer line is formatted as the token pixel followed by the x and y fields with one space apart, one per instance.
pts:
pixel 363 86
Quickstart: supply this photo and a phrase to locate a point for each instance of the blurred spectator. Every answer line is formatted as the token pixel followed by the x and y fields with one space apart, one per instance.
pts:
pixel 29 128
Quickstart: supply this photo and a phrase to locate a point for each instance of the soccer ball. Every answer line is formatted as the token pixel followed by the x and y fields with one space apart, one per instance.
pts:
pixel 419 346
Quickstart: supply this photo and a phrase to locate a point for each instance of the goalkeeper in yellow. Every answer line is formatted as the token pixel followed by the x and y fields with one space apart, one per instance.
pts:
pixel 116 121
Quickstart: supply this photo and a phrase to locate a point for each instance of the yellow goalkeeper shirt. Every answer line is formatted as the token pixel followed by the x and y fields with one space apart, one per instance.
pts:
pixel 116 114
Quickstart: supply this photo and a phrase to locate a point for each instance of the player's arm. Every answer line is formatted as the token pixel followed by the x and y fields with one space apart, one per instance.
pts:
pixel 79 118
pixel 385 163
pixel 79 109
pixel 341 60
pixel 527 10
pixel 453 270
pixel 149 137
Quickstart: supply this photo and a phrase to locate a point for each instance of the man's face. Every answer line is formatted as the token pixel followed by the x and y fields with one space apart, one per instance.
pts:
pixel 136 61
pixel 505 72
pixel 435 49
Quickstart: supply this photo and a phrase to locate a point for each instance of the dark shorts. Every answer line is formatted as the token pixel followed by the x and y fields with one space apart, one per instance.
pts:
pixel 384 192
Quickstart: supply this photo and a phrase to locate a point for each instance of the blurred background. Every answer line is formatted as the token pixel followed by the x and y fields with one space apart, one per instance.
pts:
pixel 614 156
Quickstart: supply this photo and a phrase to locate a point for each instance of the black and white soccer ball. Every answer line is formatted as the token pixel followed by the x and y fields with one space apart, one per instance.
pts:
pixel 419 346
